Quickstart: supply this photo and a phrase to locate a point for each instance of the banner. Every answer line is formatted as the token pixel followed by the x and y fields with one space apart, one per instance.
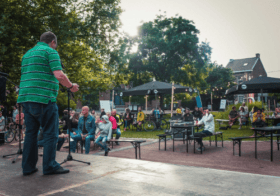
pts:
pixel 106 105
pixel 198 101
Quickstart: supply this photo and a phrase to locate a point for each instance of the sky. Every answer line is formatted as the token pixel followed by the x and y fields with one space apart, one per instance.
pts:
pixel 235 29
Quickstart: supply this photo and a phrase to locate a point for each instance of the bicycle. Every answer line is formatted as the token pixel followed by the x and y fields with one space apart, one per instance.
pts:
pixel 151 123
pixel 11 133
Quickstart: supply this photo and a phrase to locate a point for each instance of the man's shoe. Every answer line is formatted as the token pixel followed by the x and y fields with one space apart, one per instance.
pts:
pixel 27 174
pixel 198 149
pixel 61 170
pixel 106 153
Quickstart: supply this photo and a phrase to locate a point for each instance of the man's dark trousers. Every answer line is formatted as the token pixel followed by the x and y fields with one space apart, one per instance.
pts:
pixel 46 116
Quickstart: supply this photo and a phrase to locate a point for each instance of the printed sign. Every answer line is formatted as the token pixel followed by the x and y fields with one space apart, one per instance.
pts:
pixel 223 104
pixel 106 105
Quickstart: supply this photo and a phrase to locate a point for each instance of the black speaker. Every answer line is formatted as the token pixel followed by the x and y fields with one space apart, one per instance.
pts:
pixel 2 89
pixel 2 140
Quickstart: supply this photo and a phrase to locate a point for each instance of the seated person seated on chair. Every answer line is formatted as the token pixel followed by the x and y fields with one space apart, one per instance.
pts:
pixel 197 114
pixel 60 141
pixel 209 127
pixel 233 115
pixel 128 118
pixel 93 112
pixel 2 122
pixel 178 111
pixel 243 117
pixel 64 120
pixel 105 129
pixel 187 116
pixel 140 118
pixel 97 131
pixel 258 119
pixel 182 110
pixel 74 126
pixel 276 114
pixel 116 131
pixel 86 130
pixel 244 106
pixel 102 113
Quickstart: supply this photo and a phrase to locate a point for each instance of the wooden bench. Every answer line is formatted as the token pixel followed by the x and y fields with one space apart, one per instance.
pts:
pixel 135 143
pixel 238 140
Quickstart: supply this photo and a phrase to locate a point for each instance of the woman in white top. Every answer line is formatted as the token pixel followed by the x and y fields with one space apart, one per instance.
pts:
pixel 243 117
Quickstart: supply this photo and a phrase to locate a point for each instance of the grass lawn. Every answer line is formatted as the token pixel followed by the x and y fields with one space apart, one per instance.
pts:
pixel 233 132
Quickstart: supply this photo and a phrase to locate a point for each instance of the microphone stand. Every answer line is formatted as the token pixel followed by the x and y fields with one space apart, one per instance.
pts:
pixel 19 152
pixel 69 157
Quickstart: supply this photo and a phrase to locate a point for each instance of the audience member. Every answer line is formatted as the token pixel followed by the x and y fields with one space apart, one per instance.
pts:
pixel 93 112
pixel 140 118
pixel 187 116
pixel 258 119
pixel 102 113
pixel 15 112
pixel 243 117
pixel 74 126
pixel 86 130
pixel 128 118
pixel 209 128
pixel 182 109
pixel 64 120
pixel 97 131
pixel 119 123
pixel 2 122
pixel 178 111
pixel 21 123
pixel 276 114
pixel 244 106
pixel 197 114
pixel 233 115
pixel 3 109
pixel 105 128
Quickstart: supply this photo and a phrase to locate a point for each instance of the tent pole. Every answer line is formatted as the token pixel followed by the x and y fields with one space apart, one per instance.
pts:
pixel 172 92
pixel 146 104
pixel 262 97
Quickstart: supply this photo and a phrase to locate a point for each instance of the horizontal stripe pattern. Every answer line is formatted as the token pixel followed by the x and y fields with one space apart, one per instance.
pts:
pixel 38 83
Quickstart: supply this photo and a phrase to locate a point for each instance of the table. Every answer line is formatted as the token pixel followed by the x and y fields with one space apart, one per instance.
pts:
pixel 270 130
pixel 181 126
pixel 221 120
pixel 272 119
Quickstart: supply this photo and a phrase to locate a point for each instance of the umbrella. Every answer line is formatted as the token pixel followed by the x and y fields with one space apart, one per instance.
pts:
pixel 256 85
pixel 160 87
pixel 267 84
pixel 156 87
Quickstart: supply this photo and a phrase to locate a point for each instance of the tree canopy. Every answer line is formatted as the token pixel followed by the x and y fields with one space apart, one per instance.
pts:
pixel 87 33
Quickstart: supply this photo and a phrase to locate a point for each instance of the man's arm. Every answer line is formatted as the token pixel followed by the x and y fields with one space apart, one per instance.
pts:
pixel 63 79
pixel 92 131
pixel 209 118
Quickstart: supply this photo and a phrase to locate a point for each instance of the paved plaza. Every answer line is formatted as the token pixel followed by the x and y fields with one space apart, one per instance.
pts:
pixel 157 173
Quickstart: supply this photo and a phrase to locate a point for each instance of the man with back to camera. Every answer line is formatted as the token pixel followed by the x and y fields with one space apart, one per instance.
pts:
pixel 41 73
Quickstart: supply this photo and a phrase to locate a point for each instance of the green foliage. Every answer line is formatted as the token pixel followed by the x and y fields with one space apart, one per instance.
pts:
pixel 168 49
pixel 62 102
pixel 88 39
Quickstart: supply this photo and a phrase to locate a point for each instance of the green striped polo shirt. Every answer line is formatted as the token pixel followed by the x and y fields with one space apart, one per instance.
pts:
pixel 38 83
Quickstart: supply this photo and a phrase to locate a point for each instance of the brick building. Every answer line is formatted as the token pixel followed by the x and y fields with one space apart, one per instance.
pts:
pixel 246 69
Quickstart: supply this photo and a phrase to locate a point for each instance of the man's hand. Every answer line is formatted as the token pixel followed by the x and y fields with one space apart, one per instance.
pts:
pixel 74 133
pixel 75 88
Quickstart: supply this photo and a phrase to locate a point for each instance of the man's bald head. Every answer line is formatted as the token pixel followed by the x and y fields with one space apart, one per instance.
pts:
pixel 85 110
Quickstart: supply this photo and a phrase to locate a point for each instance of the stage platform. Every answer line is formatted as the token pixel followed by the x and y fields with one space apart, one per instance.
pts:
pixel 121 176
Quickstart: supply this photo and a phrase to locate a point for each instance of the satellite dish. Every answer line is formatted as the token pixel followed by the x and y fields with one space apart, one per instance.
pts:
pixel 243 86
pixel 190 90
pixel 121 94
pixel 155 91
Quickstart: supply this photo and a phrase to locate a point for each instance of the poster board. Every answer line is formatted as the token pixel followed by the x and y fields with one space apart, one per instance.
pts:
pixel 223 104
pixel 106 105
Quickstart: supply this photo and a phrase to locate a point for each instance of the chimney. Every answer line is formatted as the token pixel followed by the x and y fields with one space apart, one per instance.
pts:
pixel 258 55
pixel 230 60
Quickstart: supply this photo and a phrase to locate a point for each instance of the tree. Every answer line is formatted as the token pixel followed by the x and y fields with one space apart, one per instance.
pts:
pixel 169 49
pixel 219 79
pixel 87 32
